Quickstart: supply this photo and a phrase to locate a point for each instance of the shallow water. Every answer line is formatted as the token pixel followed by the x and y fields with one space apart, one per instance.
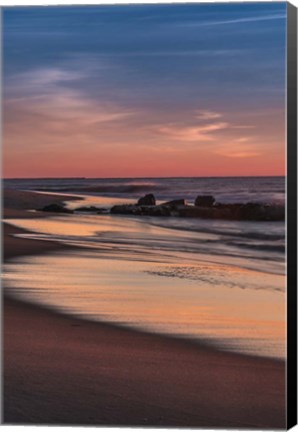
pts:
pixel 220 281
pixel 232 307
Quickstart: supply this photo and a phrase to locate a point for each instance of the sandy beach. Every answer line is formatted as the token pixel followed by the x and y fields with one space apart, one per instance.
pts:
pixel 64 370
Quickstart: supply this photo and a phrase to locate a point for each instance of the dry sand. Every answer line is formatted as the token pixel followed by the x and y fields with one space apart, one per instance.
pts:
pixel 63 370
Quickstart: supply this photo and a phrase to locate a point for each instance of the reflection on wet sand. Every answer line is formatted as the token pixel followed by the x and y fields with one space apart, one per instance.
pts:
pixel 154 278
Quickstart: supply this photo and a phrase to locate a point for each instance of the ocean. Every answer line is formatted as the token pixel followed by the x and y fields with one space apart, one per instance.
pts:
pixel 224 189
pixel 217 281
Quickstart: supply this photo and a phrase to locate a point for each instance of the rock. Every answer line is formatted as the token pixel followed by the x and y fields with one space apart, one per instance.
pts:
pixel 91 209
pixel 252 211
pixel 56 208
pixel 102 211
pixel 249 211
pixel 87 209
pixel 174 203
pixel 204 201
pixel 148 199
pixel 275 213
pixel 260 212
pixel 193 211
pixel 126 209
pixel 156 211
pixel 137 210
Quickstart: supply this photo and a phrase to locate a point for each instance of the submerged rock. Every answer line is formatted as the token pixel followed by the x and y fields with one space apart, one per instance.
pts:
pixel 87 209
pixel 157 211
pixel 195 212
pixel 91 209
pixel 174 203
pixel 56 208
pixel 204 201
pixel 147 200
pixel 250 212
pixel 125 209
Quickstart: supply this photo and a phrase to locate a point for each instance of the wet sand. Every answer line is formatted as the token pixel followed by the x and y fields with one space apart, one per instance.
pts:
pixel 63 370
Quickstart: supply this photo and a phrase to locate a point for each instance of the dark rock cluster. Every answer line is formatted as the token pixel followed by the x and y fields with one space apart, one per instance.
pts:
pixel 140 209
pixel 249 212
pixel 137 210
pixel 205 207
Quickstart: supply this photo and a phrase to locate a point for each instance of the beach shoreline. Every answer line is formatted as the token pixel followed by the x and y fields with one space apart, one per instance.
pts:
pixel 63 370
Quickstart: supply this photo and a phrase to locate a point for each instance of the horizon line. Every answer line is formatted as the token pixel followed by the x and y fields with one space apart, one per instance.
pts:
pixel 137 177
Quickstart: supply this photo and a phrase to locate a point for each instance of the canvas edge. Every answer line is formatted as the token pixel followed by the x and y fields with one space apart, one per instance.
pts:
pixel 291 380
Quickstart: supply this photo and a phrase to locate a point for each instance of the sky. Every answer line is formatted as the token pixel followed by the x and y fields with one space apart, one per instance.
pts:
pixel 159 90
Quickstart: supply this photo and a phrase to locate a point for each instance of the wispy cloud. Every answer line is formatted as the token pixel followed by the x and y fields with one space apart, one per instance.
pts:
pixel 208 115
pixel 56 114
pixel 207 128
pixel 193 133
pixel 235 21
pixel 38 82
pixel 47 92
pixel 172 52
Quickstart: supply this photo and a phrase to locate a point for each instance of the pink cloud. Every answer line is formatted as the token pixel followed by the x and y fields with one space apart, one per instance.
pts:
pixel 193 133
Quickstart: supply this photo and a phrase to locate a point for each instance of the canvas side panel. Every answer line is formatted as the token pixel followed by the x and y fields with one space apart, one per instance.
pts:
pixel 292 214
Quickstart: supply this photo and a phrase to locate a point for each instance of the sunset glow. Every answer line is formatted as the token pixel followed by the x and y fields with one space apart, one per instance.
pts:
pixel 128 91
